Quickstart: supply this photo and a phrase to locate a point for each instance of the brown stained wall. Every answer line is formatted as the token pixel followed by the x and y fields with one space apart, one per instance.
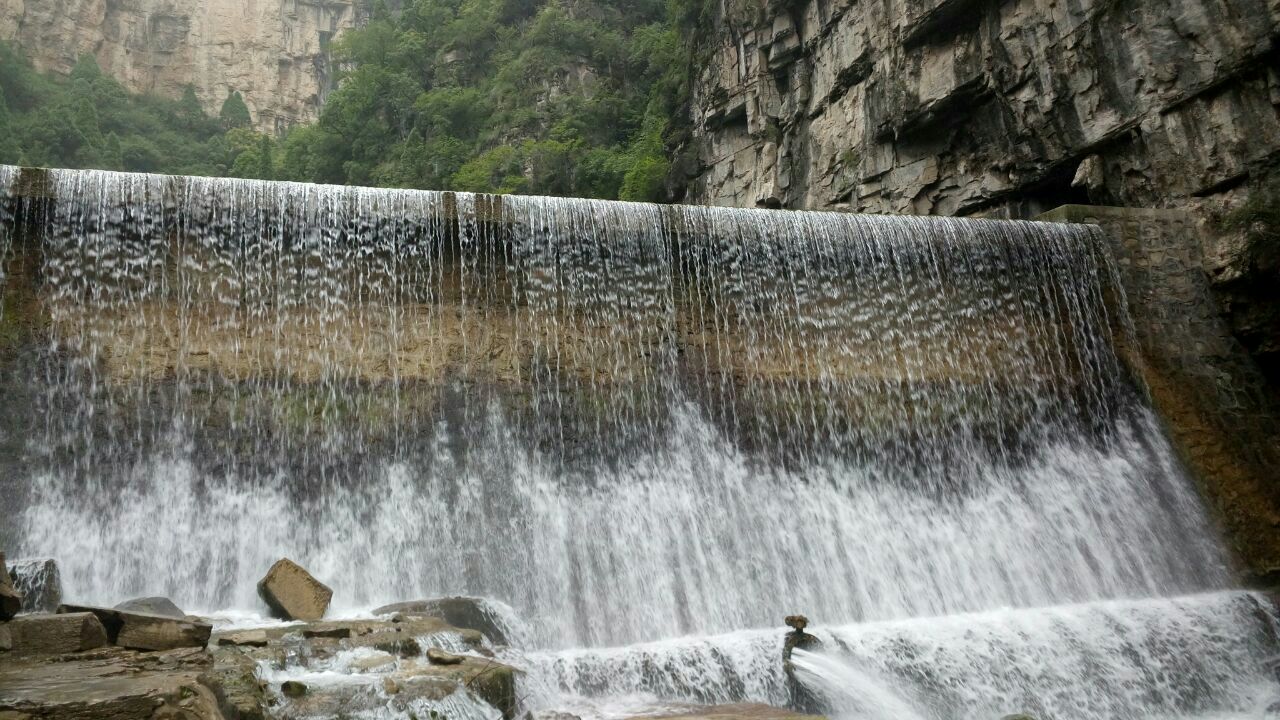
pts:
pixel 1210 393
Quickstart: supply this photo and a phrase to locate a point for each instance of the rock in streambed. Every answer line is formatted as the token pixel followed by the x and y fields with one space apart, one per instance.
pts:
pixel 292 593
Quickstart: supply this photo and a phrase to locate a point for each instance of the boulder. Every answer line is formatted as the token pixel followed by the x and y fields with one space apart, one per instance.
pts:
pixel 436 656
pixel 10 598
pixel 293 688
pixel 462 612
pixel 161 606
pixel 56 634
pixel 39 581
pixel 292 593
pixel 235 684
pixel 143 631
pixel 488 680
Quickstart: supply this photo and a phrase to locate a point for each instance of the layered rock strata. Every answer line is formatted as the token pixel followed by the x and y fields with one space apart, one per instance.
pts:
pixel 276 54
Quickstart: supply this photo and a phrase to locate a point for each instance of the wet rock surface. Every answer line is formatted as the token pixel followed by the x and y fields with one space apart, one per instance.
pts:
pixel 109 683
pixel 39 581
pixel 64 666
pixel 10 598
pixel 363 666
pixel 462 612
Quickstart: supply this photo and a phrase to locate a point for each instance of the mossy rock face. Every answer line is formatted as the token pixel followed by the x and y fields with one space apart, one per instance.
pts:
pixel 496 685
pixel 235 684
pixel 487 680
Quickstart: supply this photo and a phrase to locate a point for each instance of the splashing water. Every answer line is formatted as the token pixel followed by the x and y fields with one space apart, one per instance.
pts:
pixel 1162 658
pixel 627 422
pixel 850 691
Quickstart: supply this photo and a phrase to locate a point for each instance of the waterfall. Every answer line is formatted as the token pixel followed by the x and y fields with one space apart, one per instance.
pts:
pixel 631 423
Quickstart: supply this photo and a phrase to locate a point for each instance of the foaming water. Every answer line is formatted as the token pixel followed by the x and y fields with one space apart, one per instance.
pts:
pixel 851 691
pixel 628 422
pixel 646 551
pixel 1194 656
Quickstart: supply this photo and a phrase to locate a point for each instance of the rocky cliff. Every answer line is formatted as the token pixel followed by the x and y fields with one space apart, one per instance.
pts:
pixel 967 106
pixel 1005 108
pixel 274 52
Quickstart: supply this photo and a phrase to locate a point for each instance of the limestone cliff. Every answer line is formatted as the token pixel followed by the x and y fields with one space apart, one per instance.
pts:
pixel 967 106
pixel 274 52
pixel 1009 108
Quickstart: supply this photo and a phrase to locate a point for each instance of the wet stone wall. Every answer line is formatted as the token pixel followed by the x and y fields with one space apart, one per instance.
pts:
pixel 1207 388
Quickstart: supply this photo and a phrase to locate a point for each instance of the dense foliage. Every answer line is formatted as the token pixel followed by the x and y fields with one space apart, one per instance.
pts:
pixel 87 120
pixel 555 97
pixel 558 97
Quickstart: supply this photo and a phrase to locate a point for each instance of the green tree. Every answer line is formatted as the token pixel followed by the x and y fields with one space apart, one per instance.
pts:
pixel 189 111
pixel 234 113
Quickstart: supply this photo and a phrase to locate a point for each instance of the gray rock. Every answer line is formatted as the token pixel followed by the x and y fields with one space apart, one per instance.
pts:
pixel 245 638
pixel 39 582
pixel 162 606
pixel 461 612
pixel 56 634
pixel 235 683
pixel 10 598
pixel 436 656
pixel 293 688
pixel 292 593
pixel 142 631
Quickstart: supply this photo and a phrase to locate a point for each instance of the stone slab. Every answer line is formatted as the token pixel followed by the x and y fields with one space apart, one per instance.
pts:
pixel 56 634
pixel 142 631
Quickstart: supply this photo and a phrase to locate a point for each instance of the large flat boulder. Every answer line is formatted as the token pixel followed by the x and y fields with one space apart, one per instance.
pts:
pixel 39 581
pixel 55 634
pixel 110 683
pixel 143 631
pixel 10 598
pixel 162 606
pixel 462 612
pixel 292 593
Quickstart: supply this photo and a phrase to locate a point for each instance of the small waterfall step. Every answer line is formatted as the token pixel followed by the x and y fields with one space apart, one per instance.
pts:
pixel 1182 657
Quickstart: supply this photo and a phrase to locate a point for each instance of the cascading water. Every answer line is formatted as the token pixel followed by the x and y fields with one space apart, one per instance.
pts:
pixel 629 422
